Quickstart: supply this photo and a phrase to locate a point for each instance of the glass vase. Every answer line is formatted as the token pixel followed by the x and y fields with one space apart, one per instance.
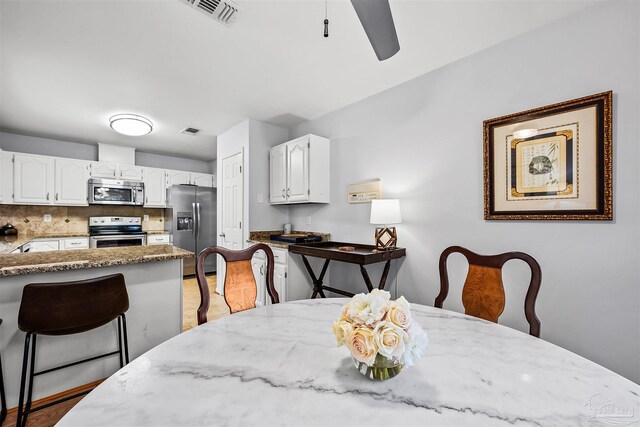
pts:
pixel 382 369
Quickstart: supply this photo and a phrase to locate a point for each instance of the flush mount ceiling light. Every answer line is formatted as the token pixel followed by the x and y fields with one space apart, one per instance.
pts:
pixel 131 124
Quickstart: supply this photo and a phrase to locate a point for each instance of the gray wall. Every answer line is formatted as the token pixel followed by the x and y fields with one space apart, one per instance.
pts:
pixel 74 150
pixel 424 140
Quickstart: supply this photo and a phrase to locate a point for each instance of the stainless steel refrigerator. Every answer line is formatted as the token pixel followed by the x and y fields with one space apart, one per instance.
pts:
pixel 191 217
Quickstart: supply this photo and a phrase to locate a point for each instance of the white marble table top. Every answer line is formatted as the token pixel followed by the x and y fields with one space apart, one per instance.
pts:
pixel 279 365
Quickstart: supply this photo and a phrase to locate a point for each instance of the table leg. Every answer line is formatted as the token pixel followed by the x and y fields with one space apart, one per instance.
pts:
pixel 365 276
pixel 317 281
pixel 383 279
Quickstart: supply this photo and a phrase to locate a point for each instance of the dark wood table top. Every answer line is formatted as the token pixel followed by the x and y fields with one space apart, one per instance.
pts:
pixel 363 254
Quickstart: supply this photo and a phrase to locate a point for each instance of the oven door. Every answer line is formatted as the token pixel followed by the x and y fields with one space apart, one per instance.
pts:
pixel 109 194
pixel 116 241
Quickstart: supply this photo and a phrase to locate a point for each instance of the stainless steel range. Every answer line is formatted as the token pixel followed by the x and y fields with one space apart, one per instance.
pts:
pixel 116 231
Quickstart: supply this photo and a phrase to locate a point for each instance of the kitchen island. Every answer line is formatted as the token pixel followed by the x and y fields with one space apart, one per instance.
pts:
pixel 153 276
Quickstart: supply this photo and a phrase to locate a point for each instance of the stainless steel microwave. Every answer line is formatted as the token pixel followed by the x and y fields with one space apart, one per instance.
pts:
pixel 115 192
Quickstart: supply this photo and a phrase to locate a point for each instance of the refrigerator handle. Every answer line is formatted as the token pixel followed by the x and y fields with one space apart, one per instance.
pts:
pixel 198 213
pixel 194 218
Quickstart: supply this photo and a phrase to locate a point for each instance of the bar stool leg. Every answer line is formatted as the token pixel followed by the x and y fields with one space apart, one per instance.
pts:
pixel 32 370
pixel 120 349
pixel 3 398
pixel 126 342
pixel 23 378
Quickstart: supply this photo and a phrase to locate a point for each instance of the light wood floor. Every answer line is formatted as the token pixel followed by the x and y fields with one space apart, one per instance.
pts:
pixel 190 302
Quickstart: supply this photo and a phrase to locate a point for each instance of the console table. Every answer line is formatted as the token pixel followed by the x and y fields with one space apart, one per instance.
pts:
pixel 361 255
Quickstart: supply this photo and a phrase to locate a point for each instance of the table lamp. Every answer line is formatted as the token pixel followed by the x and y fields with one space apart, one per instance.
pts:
pixel 385 212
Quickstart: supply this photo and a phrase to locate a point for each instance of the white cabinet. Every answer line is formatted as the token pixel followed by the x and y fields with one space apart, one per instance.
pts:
pixel 71 182
pixel 306 171
pixel 259 267
pixel 130 172
pixel 44 245
pixel 33 179
pixel 155 189
pixel 6 177
pixel 74 243
pixel 177 178
pixel 202 179
pixel 104 170
pixel 116 171
pixel 158 239
pixel 278 170
pixel 280 281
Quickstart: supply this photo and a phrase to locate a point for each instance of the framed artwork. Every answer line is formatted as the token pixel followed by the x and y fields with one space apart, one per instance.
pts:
pixel 550 163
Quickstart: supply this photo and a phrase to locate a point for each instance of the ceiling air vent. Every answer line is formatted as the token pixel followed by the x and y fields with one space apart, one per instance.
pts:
pixel 190 131
pixel 224 11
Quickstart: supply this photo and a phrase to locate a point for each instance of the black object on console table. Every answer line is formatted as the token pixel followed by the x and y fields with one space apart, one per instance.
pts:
pixel 358 254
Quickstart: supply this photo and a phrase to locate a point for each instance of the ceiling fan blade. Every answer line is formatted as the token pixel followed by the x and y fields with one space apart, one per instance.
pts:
pixel 376 19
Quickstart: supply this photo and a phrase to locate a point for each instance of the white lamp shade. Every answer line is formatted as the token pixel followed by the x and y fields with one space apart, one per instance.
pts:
pixel 385 212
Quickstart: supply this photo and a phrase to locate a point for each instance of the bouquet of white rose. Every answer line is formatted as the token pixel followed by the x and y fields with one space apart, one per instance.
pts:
pixel 375 328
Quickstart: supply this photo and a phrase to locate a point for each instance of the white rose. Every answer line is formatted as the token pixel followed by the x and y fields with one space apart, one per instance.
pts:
pixel 363 346
pixel 390 339
pixel 368 309
pixel 418 342
pixel 342 330
pixel 400 313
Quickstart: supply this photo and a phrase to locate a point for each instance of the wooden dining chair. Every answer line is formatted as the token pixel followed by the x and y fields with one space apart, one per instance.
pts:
pixel 240 289
pixel 483 291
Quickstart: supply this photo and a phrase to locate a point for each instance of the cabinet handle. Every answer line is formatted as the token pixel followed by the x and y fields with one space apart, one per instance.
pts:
pixel 47 196
pixel 288 192
pixel 114 174
pixel 262 270
pixel 283 195
pixel 56 197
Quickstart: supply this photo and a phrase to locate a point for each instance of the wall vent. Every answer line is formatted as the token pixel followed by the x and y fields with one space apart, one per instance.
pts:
pixel 224 11
pixel 190 131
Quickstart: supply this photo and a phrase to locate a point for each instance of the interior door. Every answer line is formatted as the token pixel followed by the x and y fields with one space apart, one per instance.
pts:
pixel 298 170
pixel 71 182
pixel 278 174
pixel 232 202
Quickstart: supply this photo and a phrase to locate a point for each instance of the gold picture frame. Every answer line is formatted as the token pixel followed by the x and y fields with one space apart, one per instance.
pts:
pixel 550 163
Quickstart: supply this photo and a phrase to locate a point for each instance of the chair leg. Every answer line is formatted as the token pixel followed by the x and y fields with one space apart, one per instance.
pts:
pixel 3 398
pixel 126 341
pixel 23 378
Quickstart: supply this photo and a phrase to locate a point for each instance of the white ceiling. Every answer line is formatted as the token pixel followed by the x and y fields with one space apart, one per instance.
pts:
pixel 68 65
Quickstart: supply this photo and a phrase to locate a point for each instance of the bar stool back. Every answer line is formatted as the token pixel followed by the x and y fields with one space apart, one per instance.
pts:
pixel 3 398
pixel 69 308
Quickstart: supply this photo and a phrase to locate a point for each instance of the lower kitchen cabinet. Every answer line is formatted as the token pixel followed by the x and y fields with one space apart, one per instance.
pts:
pixel 259 266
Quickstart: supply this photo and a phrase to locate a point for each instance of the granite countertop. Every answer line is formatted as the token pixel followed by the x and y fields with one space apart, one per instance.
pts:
pixel 43 262
pixel 264 237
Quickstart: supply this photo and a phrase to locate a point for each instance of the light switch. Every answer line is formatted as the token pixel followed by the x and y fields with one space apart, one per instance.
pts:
pixel 145 218
pixel 260 198
pixel 47 218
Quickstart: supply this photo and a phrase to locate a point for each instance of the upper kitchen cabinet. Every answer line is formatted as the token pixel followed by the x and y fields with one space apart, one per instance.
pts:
pixel 71 182
pixel 6 177
pixel 278 171
pixel 302 165
pixel 116 171
pixel 178 178
pixel 33 178
pixel 155 188
pixel 202 179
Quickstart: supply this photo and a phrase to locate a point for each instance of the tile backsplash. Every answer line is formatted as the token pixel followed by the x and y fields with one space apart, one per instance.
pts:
pixel 72 219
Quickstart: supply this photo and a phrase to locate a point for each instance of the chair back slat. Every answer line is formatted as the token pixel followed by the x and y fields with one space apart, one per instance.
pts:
pixel 72 307
pixel 240 288
pixel 483 292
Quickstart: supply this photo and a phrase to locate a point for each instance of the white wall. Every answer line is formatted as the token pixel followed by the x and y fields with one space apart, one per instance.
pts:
pixel 74 150
pixel 424 140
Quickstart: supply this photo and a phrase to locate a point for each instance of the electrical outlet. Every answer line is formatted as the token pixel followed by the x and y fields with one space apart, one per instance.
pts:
pixel 145 218
pixel 308 220
pixel 47 218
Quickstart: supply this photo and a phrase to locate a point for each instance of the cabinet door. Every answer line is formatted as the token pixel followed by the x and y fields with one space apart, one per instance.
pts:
pixel 178 178
pixel 33 179
pixel 278 174
pixel 103 170
pixel 259 267
pixel 44 245
pixel 130 172
pixel 155 190
pixel 202 179
pixel 280 281
pixel 71 182
pixel 298 171
pixel 6 177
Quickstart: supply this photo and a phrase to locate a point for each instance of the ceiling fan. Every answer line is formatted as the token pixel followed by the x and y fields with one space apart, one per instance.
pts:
pixel 376 19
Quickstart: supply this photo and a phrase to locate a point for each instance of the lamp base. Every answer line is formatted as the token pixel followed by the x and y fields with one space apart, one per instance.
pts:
pixel 386 238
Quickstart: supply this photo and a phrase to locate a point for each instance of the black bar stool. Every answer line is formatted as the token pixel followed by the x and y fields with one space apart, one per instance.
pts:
pixel 3 398
pixel 67 308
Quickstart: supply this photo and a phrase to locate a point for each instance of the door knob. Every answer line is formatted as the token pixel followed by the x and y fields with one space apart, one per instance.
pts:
pixel 223 235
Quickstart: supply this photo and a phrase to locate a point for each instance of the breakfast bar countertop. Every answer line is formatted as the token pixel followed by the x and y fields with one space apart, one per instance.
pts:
pixel 43 262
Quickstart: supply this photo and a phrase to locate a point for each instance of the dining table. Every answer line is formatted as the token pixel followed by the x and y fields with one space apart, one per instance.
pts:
pixel 280 365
